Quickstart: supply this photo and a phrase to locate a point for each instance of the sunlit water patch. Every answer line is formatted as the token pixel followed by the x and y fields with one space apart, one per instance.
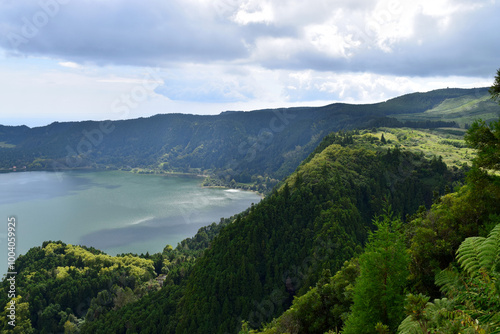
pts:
pixel 117 212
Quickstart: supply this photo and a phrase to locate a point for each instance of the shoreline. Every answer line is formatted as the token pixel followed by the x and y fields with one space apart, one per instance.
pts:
pixel 131 170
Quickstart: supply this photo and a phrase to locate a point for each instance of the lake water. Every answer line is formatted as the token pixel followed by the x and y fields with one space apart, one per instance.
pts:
pixel 116 212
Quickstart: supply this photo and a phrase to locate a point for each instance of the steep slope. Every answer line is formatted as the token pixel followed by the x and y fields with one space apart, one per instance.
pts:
pixel 316 221
pixel 461 230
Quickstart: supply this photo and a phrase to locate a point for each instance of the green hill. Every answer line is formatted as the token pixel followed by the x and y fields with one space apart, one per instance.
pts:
pixel 250 148
pixel 462 109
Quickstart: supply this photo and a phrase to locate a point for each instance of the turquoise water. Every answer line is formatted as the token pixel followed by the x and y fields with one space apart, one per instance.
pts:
pixel 117 212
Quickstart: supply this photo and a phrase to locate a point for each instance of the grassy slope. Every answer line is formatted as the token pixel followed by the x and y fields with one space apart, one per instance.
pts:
pixel 438 142
pixel 462 109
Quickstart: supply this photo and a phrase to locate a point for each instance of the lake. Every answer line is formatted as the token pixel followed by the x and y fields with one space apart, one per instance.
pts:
pixel 114 211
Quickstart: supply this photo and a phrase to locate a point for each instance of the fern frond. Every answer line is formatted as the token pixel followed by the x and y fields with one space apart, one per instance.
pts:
pixel 449 281
pixel 468 255
pixel 440 309
pixel 441 304
pixel 408 326
pixel 489 250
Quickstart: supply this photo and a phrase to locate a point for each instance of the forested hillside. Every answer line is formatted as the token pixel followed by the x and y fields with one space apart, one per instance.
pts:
pixel 319 218
pixel 437 273
pixel 239 146
pixel 62 288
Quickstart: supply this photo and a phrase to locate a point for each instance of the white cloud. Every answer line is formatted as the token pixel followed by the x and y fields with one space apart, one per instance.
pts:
pixel 70 64
pixel 327 39
pixel 254 11
pixel 365 87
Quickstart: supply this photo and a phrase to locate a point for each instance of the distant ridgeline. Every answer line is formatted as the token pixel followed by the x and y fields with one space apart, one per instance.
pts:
pixel 239 146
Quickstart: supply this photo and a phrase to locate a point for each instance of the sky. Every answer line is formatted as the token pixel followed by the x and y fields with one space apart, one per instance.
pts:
pixel 72 60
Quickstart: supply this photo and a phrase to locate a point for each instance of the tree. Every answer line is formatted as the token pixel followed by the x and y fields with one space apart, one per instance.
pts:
pixel 495 89
pixel 379 291
pixel 486 139
pixel 382 139
pixel 22 318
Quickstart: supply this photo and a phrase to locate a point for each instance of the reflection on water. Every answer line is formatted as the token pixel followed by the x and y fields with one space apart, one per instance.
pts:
pixel 28 186
pixel 116 212
pixel 146 230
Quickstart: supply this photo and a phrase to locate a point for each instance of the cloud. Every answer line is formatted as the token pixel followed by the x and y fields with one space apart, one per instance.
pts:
pixel 415 40
pixel 238 54
pixel 254 12
pixel 200 88
pixel 70 64
pixel 117 32
pixel 350 36
pixel 364 87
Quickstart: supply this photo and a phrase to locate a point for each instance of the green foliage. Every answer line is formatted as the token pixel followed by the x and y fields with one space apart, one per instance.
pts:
pixel 415 309
pixel 324 307
pixel 428 143
pixel 435 236
pixel 495 88
pixel 72 288
pixel 473 301
pixel 278 254
pixel 22 318
pixel 156 311
pixel 461 108
pixel 379 290
pixel 153 313
pixel 486 140
pixel 434 317
pixel 59 281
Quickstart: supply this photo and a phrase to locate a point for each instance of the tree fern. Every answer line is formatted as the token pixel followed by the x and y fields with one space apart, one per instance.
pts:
pixel 479 255
pixel 409 326
pixel 442 312
pixel 477 289
pixel 449 281
pixel 438 314
pixel 468 255
pixel 489 250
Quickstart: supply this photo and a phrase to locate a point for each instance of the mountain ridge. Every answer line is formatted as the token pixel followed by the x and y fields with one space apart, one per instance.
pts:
pixel 239 146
